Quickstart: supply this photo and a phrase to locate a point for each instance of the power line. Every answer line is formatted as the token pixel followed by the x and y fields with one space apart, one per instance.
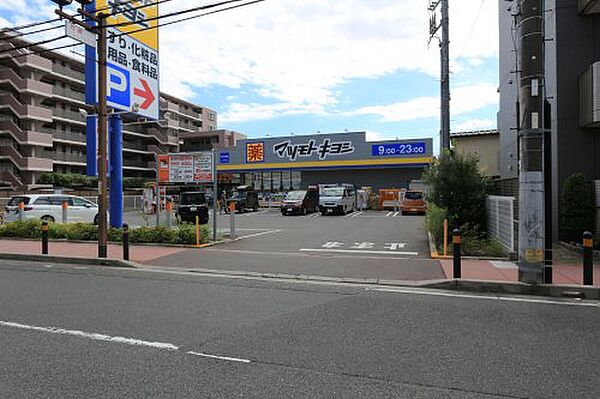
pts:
pixel 42 51
pixel 460 53
pixel 24 46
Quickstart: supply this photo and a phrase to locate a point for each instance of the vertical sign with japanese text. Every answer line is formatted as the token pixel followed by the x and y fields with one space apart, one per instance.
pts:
pixel 185 168
pixel 132 55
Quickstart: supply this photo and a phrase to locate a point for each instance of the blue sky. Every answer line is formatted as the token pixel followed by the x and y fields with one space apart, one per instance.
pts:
pixel 285 66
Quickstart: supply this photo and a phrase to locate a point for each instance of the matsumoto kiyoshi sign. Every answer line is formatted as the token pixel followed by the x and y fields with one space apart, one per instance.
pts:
pixel 324 149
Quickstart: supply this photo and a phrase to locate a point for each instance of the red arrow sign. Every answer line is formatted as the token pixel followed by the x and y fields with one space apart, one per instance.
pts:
pixel 146 94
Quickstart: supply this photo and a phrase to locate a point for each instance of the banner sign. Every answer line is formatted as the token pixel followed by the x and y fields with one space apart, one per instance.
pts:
pixel 185 168
pixel 392 149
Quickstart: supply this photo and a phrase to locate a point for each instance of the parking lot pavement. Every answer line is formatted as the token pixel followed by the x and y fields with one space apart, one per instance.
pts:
pixel 369 244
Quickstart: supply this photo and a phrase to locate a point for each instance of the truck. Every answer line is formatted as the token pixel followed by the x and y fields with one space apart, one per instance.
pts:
pixel 337 199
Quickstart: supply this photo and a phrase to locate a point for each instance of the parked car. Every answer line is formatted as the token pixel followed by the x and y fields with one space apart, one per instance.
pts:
pixel 339 199
pixel 244 197
pixel 192 204
pixel 413 202
pixel 48 207
pixel 300 202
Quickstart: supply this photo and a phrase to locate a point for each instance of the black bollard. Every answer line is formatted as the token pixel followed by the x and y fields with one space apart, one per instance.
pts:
pixel 588 259
pixel 125 241
pixel 44 238
pixel 456 242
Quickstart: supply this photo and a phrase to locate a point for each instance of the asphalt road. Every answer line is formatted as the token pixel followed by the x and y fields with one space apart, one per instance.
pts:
pixel 363 245
pixel 68 331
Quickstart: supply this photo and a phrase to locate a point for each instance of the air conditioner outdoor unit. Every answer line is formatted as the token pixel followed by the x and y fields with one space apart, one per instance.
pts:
pixel 587 7
pixel 589 96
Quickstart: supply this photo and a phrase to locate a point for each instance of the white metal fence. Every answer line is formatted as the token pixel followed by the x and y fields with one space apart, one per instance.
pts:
pixel 501 220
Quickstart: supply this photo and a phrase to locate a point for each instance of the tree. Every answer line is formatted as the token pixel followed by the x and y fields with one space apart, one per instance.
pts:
pixel 457 185
pixel 576 208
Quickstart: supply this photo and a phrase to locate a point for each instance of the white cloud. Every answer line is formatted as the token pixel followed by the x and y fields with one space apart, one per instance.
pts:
pixel 474 124
pixel 464 99
pixel 298 52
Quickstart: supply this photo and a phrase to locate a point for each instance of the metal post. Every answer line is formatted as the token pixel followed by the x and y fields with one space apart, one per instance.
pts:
pixel 445 237
pixel 531 170
pixel 232 221
pixel 44 238
pixel 21 210
pixel 116 171
pixel 169 213
pixel 456 242
pixel 216 194
pixel 157 193
pixel 125 241
pixel 65 207
pixel 197 231
pixel 588 259
pixel 102 136
pixel 445 78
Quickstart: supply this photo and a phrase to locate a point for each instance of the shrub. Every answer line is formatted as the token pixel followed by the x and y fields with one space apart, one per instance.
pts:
pixel 158 234
pixel 435 223
pixel 457 185
pixel 68 180
pixel 475 243
pixel 29 228
pixel 576 208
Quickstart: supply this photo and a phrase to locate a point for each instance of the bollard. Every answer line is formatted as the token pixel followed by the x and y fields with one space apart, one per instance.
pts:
pixel 65 206
pixel 445 237
pixel 21 210
pixel 232 220
pixel 44 238
pixel 588 259
pixel 125 241
pixel 197 231
pixel 456 242
pixel 169 208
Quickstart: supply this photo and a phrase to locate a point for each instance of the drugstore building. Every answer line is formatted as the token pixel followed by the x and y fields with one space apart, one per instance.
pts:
pixel 285 163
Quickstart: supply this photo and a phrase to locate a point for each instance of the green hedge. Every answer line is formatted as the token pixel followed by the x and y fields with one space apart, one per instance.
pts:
pixel 184 234
pixel 74 180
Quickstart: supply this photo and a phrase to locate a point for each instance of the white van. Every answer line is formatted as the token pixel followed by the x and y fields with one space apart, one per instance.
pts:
pixel 339 199
pixel 48 207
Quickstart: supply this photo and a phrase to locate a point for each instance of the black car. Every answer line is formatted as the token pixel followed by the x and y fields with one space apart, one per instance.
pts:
pixel 192 204
pixel 244 197
pixel 300 202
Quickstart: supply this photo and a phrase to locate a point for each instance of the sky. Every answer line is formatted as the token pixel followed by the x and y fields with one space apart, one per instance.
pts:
pixel 305 66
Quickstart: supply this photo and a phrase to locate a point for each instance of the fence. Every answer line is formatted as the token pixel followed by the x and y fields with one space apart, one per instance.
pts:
pixel 502 223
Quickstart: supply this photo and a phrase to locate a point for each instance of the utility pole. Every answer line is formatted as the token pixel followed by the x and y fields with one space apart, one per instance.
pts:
pixel 434 27
pixel 100 30
pixel 531 141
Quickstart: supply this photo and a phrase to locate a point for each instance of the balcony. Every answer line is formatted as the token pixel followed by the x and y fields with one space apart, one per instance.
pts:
pixel 32 61
pixel 72 137
pixel 26 163
pixel 25 137
pixel 67 93
pixel 10 177
pixel 24 85
pixel 65 157
pixel 25 110
pixel 70 116
pixel 68 72
pixel 132 145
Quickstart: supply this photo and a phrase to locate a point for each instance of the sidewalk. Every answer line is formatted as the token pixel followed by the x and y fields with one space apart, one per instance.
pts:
pixel 137 253
pixel 563 273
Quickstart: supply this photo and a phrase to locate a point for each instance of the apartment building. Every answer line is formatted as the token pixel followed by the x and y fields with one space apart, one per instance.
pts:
pixel 207 140
pixel 42 122
pixel 572 78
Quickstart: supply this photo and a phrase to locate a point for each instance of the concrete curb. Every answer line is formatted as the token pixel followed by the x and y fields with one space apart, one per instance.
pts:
pixel 69 259
pixel 137 244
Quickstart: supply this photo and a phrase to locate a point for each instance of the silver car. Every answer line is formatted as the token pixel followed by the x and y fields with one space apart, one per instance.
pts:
pixel 49 207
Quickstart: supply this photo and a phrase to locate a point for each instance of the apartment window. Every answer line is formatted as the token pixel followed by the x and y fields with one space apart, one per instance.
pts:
pixel 211 116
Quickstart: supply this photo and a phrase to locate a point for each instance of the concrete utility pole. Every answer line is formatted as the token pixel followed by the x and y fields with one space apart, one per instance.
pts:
pixel 100 19
pixel 445 78
pixel 434 27
pixel 531 144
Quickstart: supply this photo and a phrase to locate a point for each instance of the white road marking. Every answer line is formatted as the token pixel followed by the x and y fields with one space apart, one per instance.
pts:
pixel 349 215
pixel 116 339
pixel 93 336
pixel 258 234
pixel 395 214
pixel 231 359
pixel 296 254
pixel 496 298
pixel 357 214
pixel 389 214
pixel 353 251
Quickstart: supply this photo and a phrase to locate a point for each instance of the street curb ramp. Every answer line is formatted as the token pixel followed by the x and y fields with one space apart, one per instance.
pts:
pixel 68 259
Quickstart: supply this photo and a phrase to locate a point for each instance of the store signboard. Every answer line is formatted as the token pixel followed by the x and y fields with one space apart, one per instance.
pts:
pixel 185 168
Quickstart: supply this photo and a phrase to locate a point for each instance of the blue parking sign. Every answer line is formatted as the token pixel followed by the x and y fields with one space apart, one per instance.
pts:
pixel 224 157
pixel 118 92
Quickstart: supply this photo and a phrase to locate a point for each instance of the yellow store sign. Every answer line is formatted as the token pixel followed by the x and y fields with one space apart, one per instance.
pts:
pixel 136 14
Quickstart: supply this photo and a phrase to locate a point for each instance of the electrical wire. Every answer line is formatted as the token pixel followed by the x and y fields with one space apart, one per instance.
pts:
pixel 24 46
pixel 42 51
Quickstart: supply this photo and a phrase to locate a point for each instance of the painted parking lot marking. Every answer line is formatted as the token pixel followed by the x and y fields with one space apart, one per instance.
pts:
pixel 390 246
pixel 389 214
pixel 358 251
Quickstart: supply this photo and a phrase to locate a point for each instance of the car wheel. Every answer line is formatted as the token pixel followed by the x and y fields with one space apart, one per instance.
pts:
pixel 323 213
pixel 255 208
pixel 304 212
pixel 48 219
pixel 97 219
